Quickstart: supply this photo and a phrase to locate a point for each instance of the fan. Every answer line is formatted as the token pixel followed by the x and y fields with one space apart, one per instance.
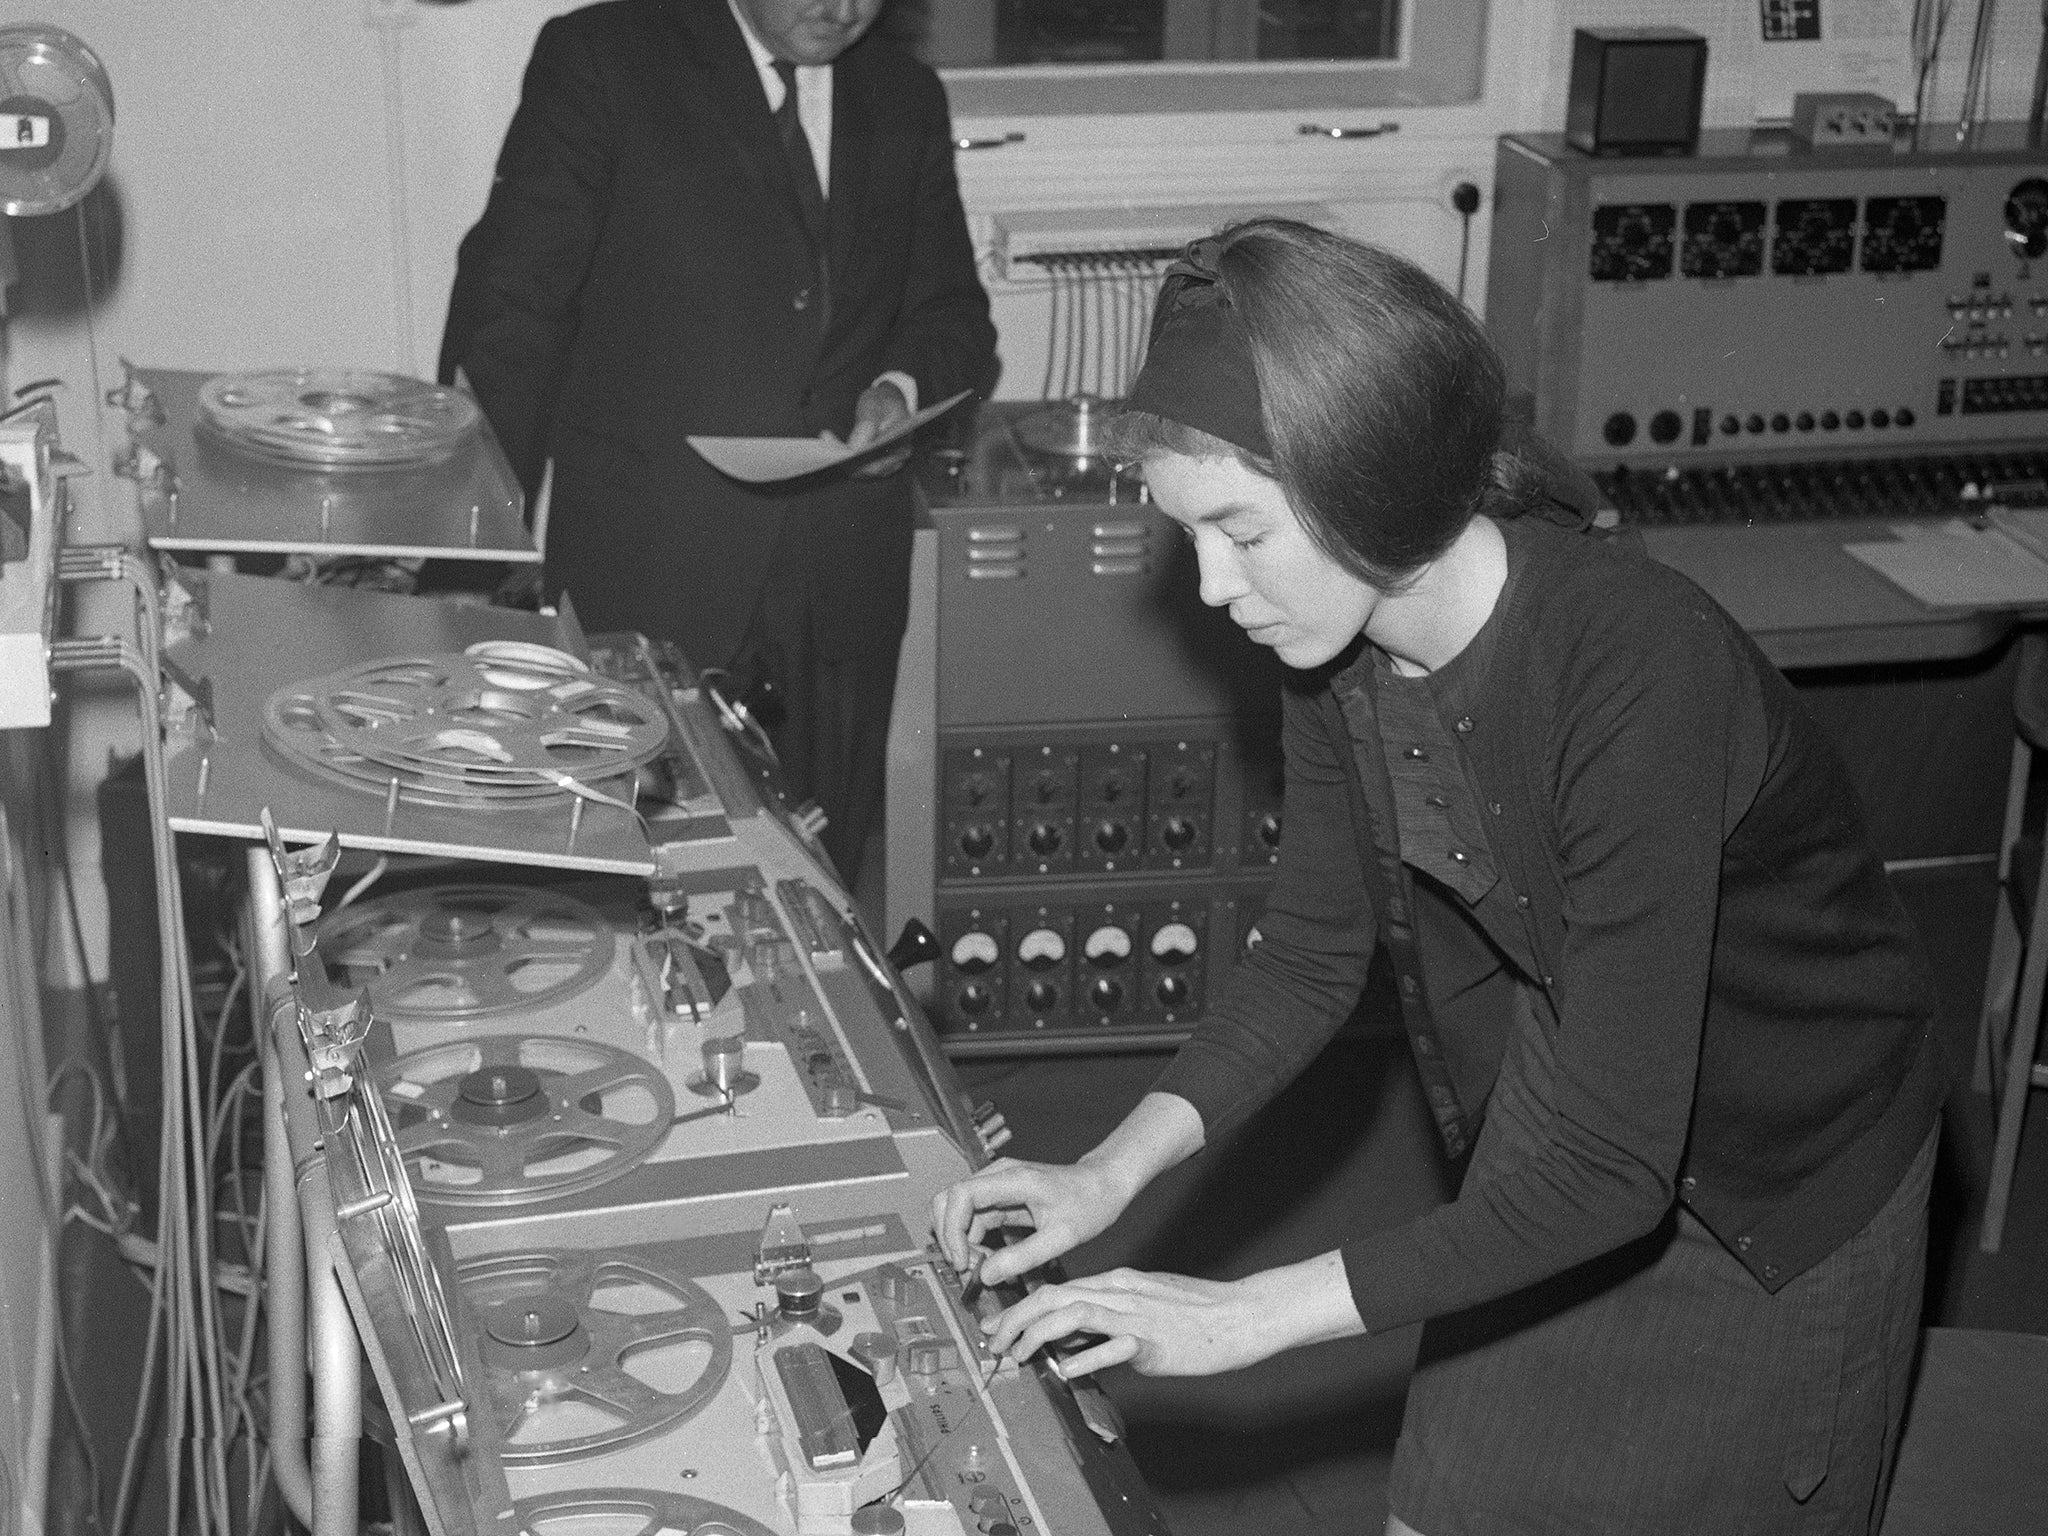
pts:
pixel 56 119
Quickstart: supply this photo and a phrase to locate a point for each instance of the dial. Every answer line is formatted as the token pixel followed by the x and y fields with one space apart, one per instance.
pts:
pixel 2026 218
pixel 1903 234
pixel 975 952
pixel 1174 942
pixel 1107 945
pixel 1042 948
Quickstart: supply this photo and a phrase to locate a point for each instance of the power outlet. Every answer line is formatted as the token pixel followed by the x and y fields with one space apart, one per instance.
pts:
pixel 1828 120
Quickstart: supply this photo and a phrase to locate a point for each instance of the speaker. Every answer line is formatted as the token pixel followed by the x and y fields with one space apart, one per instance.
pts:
pixel 1636 90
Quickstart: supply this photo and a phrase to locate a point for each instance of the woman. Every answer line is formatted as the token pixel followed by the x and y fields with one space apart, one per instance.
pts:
pixel 1645 952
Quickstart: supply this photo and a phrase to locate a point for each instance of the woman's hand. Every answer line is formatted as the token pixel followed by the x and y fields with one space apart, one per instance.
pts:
pixel 1064 1205
pixel 1164 1325
pixel 1171 1325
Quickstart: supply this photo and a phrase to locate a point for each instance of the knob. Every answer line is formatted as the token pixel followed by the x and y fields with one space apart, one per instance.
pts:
pixel 1180 785
pixel 1804 421
pixel 1665 427
pixel 1753 423
pixel 1173 990
pixel 799 1294
pixel 1880 417
pixel 1619 429
pixel 1854 421
pixel 975 952
pixel 876 1351
pixel 1903 416
pixel 1045 789
pixel 1112 836
pixel 1045 839
pixel 974 998
pixel 1042 996
pixel 1781 422
pixel 1269 829
pixel 1106 993
pixel 976 788
pixel 1179 833
pixel 1111 788
pixel 1829 421
pixel 1106 946
pixel 1174 942
pixel 1042 948
pixel 977 842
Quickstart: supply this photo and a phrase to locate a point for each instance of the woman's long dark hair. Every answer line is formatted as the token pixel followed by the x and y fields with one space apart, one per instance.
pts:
pixel 1381 395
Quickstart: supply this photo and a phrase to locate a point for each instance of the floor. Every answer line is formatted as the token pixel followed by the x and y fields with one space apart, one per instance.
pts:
pixel 1301 1444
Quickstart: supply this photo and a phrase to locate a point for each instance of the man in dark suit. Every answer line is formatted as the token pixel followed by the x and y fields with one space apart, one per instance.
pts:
pixel 674 246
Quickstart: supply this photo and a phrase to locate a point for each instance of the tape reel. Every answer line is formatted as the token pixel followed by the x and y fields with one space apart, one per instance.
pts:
pixel 337 418
pixel 456 954
pixel 643 1511
pixel 510 1119
pixel 487 731
pixel 56 120
pixel 586 1353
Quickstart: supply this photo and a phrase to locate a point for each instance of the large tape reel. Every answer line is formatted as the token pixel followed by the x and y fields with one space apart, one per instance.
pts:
pixel 467 730
pixel 587 1352
pixel 56 120
pixel 456 954
pixel 337 418
pixel 510 1119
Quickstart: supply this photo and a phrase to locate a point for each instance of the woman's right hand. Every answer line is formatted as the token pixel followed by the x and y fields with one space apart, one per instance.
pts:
pixel 1063 1204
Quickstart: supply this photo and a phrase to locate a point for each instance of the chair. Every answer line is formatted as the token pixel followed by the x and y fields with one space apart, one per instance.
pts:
pixel 2010 1030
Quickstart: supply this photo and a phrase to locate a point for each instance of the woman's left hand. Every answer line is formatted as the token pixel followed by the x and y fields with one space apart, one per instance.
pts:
pixel 1172 1325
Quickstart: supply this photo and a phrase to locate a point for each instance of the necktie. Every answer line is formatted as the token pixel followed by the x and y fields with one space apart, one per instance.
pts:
pixel 803 171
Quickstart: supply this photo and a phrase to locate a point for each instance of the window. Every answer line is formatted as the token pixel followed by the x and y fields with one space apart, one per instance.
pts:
pixel 1030 57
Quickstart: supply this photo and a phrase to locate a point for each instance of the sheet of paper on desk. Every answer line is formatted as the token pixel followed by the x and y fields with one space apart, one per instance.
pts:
pixel 764 460
pixel 1959 567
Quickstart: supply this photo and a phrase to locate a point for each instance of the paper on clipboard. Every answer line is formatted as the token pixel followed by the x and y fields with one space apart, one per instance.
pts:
pixel 764 460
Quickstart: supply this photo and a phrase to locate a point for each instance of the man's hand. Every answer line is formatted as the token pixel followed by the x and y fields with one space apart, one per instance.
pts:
pixel 880 410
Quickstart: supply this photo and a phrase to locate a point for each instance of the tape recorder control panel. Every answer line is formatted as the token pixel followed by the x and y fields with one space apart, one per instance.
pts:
pixel 1085 784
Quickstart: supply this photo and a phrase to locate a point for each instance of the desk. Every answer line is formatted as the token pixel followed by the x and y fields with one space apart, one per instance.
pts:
pixel 1807 603
pixel 1918 699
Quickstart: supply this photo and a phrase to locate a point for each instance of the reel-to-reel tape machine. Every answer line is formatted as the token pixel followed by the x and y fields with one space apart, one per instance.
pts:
pixel 667 1170
pixel 631 1172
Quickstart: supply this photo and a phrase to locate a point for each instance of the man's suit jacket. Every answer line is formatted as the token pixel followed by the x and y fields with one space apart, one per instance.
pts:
pixel 641 273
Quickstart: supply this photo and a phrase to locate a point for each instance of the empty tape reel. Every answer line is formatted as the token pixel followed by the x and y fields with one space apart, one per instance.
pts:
pixel 506 1119
pixel 337 418
pixel 585 1353
pixel 461 730
pixel 640 1511
pixel 455 954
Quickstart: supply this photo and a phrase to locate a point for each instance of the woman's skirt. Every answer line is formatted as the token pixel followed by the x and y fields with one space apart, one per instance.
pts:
pixel 1661 1391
